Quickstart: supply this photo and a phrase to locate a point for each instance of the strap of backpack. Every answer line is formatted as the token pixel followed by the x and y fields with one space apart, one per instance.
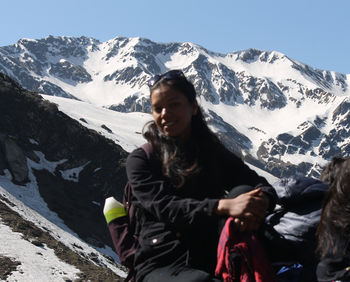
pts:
pixel 147 147
pixel 133 211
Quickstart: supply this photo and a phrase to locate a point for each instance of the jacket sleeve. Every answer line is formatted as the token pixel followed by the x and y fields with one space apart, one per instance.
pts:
pixel 237 173
pixel 158 198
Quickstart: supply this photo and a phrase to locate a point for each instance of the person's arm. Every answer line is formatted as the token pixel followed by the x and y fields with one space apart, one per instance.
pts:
pixel 159 199
pixel 238 173
pixel 248 209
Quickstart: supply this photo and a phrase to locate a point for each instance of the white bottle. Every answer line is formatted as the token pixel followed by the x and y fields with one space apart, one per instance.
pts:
pixel 113 209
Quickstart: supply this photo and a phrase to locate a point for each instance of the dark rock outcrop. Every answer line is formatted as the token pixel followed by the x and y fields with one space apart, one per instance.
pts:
pixel 14 156
pixel 30 124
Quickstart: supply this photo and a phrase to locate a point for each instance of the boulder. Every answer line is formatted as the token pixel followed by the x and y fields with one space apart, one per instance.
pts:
pixel 15 158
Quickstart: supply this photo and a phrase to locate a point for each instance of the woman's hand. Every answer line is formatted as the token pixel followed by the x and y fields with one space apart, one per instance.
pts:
pixel 248 209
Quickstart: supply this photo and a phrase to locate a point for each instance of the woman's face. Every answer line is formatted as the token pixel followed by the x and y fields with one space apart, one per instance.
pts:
pixel 172 112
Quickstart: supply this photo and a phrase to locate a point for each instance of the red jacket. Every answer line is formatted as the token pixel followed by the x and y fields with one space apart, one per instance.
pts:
pixel 240 257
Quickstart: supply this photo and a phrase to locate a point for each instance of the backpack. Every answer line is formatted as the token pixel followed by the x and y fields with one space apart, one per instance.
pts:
pixel 121 219
pixel 241 257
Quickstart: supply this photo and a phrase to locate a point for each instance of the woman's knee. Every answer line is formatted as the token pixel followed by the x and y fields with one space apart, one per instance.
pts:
pixel 238 190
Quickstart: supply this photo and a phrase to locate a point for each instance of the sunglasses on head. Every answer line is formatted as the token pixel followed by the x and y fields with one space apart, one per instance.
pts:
pixel 172 74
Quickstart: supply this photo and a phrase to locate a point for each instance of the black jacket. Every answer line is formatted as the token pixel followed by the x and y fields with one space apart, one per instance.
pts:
pixel 290 231
pixel 335 267
pixel 300 199
pixel 180 224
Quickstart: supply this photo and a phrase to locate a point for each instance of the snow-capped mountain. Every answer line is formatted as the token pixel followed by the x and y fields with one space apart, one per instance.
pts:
pixel 279 114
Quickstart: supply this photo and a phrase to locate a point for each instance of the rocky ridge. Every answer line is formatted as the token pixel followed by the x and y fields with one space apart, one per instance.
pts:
pixel 114 74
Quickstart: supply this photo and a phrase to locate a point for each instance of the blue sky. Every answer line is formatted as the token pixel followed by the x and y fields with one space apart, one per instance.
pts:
pixel 315 32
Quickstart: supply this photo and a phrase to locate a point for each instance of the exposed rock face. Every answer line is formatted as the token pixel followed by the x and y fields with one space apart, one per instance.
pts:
pixel 15 158
pixel 35 63
pixel 233 140
pixel 34 129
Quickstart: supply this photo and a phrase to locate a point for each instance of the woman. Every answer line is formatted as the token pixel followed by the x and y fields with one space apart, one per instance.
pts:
pixel 180 191
pixel 334 227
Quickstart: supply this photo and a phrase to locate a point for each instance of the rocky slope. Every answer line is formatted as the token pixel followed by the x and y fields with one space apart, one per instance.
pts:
pixel 73 168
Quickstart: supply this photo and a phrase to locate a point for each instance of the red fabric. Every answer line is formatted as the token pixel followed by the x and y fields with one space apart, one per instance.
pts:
pixel 251 260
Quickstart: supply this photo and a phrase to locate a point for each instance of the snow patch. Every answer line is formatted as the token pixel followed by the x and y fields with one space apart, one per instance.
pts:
pixel 73 173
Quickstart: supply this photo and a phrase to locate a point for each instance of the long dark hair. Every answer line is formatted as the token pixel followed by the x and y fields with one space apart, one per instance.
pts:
pixel 334 227
pixel 179 162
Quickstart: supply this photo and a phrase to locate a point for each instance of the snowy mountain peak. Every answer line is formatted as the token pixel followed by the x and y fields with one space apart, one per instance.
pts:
pixel 251 96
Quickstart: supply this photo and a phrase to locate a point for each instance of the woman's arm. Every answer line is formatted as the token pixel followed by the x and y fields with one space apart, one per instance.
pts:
pixel 248 209
pixel 238 173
